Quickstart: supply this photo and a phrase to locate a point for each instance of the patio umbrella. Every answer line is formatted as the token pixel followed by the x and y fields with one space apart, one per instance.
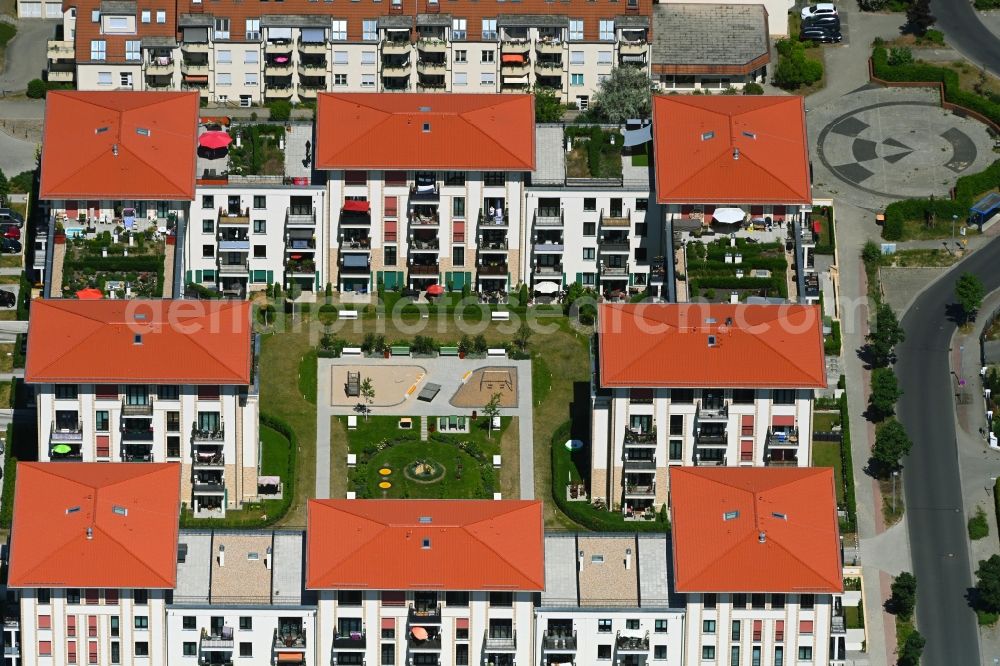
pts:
pixel 728 215
pixel 89 294
pixel 546 287
pixel 281 59
pixel 214 140
pixel 61 448
pixel 435 290
pixel 418 632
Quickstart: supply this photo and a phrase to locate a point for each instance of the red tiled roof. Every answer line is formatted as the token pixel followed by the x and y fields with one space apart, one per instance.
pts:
pixel 130 508
pixel 425 545
pixel 668 345
pixel 718 517
pixel 181 342
pixel 84 129
pixel 697 137
pixel 425 131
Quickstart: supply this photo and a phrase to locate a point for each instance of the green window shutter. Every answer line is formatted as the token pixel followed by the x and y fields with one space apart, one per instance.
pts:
pixel 187 276
pixel 197 276
pixel 579 278
pixel 270 277
pixel 468 278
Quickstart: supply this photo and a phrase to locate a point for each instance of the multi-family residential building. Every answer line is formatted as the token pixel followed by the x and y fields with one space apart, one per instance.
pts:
pixel 699 384
pixel 150 381
pixel 608 598
pixel 758 556
pixel 291 51
pixel 426 582
pixel 93 559
pixel 240 598
pixel 425 189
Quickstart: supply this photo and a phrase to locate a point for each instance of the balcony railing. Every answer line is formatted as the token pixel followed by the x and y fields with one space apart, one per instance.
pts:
pixel 715 412
pixel 137 410
pixel 496 269
pixel 548 218
pixel 711 437
pixel 299 219
pixel 632 643
pixel 558 641
pixel 66 433
pixel 352 640
pixel 208 458
pixel 209 487
pixel 613 245
pixel 500 643
pixel 137 453
pixel 782 462
pixel 422 245
pixel 207 434
pixel 419 220
pixel 501 219
pixel 547 269
pixel 549 248
pixel 291 638
pixel 234 267
pixel 638 437
pixel 217 642
pixel 620 271
pixel 422 269
pixel 699 461
pixel 60 50
pixel 617 219
pixel 640 490
pixel 639 464
pixel 426 615
pixel 783 438
pixel 234 217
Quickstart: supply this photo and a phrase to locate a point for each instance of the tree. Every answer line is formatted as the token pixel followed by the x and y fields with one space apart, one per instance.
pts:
pixel 885 393
pixel 969 292
pixel 625 93
pixel 919 17
pixel 522 336
pixel 794 69
pixel 871 253
pixel 988 584
pixel 548 107
pixel 492 410
pixel 368 393
pixel 913 648
pixel 904 595
pixel 884 336
pixel 891 444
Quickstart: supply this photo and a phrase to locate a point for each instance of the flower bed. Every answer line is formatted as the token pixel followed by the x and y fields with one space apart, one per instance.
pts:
pixel 142 270
pixel 711 277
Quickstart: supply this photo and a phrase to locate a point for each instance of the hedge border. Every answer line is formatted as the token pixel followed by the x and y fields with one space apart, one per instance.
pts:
pixel 9 480
pixel 847 465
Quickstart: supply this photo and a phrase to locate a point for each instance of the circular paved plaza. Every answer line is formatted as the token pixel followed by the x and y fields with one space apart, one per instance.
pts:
pixel 878 145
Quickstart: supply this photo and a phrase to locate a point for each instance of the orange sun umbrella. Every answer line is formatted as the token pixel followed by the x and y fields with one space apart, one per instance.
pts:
pixel 89 294
pixel 419 633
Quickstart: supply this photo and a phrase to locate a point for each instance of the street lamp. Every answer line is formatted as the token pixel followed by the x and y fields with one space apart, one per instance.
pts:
pixel 894 475
pixel 954 219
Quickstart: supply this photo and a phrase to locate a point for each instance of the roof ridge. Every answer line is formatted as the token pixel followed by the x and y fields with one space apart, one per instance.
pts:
pixel 197 343
pixel 516 568
pixel 779 350
pixel 359 542
pixel 750 159
pixel 489 136
pixel 124 147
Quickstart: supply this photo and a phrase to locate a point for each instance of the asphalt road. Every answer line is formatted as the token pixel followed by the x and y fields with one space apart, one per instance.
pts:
pixel 931 478
pixel 963 30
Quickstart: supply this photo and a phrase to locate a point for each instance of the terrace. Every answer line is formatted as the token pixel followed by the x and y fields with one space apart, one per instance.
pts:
pixel 717 270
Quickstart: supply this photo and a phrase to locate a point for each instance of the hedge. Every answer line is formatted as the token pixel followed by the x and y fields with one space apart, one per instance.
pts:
pixel 850 523
pixel 9 479
pixel 831 344
pixel 583 513
pixel 24 298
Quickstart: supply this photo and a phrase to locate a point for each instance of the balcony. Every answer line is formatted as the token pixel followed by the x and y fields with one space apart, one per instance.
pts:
pixel 353 640
pixel 234 268
pixel 272 68
pixel 312 47
pixel 543 45
pixel 207 458
pixel 396 46
pixel 711 437
pixel 310 69
pixel 428 270
pixel 395 69
pixel 229 217
pixel 424 220
pixel 714 412
pixel 160 66
pixel 432 45
pixel 494 218
pixel 300 267
pixel 66 452
pixel 142 435
pixel 194 47
pixel 616 219
pixel 355 263
pixel 196 67
pixel 66 433
pixel 220 641
pixel 60 73
pixel 209 487
pixel 639 437
pixel 640 490
pixel 234 245
pixel 784 461
pixel 614 271
pixel 785 438
pixel 60 50
pixel 310 92
pixel 549 247
pixel 430 86
pixel 632 643
pixel 300 218
pixel 514 44
pixel 496 270
pixel 291 637
pixel 430 644
pixel 278 47
pixel 548 270
pixel 699 461
pixel 500 643
pixel 548 68
pixel 278 92
pixel 614 245
pixel 426 614
pixel 137 452
pixel 632 47
pixel 431 67
pixel 417 245
pixel 516 69
pixel 549 218
pixel 356 243
pixel 207 435
pixel 425 194
pixel 141 410
pixel 639 464
pixel 492 246
pixel 558 641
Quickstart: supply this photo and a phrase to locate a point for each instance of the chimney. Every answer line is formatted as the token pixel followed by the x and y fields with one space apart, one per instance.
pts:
pixel 90 534
pixel 581 559
pixel 736 153
pixel 628 559
pixel 114 149
pixel 222 555
pixel 267 558
pixel 761 537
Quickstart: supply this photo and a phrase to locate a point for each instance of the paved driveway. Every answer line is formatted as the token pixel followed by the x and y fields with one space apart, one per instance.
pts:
pixel 26 54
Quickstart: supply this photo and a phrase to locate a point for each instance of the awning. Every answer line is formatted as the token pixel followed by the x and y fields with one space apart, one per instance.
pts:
pixel 746 420
pixel 637 137
pixel 196 78
pixel 355 261
pixel 515 80
pixel 279 33
pixel 746 446
pixel 388 623
pixel 512 57
pixel 729 215
pixel 461 623
pixel 356 206
pixel 546 287
pixel 268 480
pixel 291 657
pixel 786 421
pixel 313 35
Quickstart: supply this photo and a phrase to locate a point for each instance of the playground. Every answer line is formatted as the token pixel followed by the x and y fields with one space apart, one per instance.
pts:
pixel 392 383
pixel 482 384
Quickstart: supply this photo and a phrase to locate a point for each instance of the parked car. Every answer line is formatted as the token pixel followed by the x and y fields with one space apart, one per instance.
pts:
pixel 819 9
pixel 824 21
pixel 7 299
pixel 11 231
pixel 822 35
pixel 12 216
pixel 10 246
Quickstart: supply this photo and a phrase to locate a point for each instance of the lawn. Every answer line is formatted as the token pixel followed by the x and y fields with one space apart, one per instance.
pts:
pixel 7 32
pixel 596 153
pixel 711 279
pixel 854 617
pixel 925 258
pixel 825 421
pixel 827 454
pixel 10 261
pixel 307 376
pixel 827 242
pixel 917 229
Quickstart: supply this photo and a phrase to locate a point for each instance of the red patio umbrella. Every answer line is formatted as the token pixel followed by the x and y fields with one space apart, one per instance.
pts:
pixel 419 633
pixel 214 140
pixel 89 294
pixel 435 290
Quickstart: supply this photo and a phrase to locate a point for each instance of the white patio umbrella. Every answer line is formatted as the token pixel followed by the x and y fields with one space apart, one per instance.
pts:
pixel 546 287
pixel 728 215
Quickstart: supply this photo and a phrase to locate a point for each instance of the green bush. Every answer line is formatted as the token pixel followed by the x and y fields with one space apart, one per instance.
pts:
pixel 850 522
pixel 794 69
pixel 36 89
pixel 280 109
pixel 9 480
pixel 753 89
pixel 979 528
pixel 900 55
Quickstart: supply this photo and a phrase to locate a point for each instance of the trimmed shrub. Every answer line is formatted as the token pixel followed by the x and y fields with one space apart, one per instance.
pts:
pixel 36 89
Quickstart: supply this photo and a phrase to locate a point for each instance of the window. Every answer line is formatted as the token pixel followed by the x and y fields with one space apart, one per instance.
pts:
pixel 142 648
pixel 251 57
pixel 173 446
pixel 708 626
pixel 576 79
pixel 95 16
pixel 260 252
pixel 487 79
pixel 168 392
pixel 806 627
pixel 338 31
pixel 369 30
pixel 367 57
pixel 708 653
pixel 253 34
pixel 246 649
pixel 44 621
pixel 757 601
pixel 709 600
pixel 388 654
pixel 260 226
pixel 589 253
pixel 806 601
pixel 589 228
pixel 189 622
pixel 367 80
pixel 71 652
pixel 161 16
pixel 141 622
pixel 740 600
pixel 66 392
pixel 223 79
pixel 224 56
pixel 676 449
pixel 340 79
pixel 190 649
pixel 222 28
pixel 489 29
pixel 458 256
pixel 488 55
pixel 588 280
pixel 461 79
pixel 805 653
pixel 604 652
pixel 576 29
pixel 389 255
pixel 734 656
pixel 501 599
pixel 125 79
pixel 145 16
pixel 590 204
pixel 250 78
pixel 604 626
pixel 777 601
pixel 208 250
pixel 132 50
pixel 208 226
pixel 461 56
pixel 779 656
pixel 783 396
pixel 462 654
pixel 349 597
pixel 45 648
pixel 459 28
pixel 141 597
pixel 604 57
pixel 736 630
pixel 659 652
pixel 98 49
pixel 72 596
pixel 576 58
pixel 632 624
pixel 101 420
pixel 607 31
pixel 116 652
pixel 460 599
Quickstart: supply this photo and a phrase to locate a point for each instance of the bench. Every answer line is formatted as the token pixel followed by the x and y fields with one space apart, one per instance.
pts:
pixel 500 315
pixel 400 350
pixel 496 351
pixel 448 351
pixel 348 314
pixel 351 351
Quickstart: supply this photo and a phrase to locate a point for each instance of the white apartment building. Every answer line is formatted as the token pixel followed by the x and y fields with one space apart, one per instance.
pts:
pixel 425 190
pixel 243 237
pixel 431 581
pixel 761 574
pixel 699 384
pixel 150 381
pixel 240 598
pixel 607 598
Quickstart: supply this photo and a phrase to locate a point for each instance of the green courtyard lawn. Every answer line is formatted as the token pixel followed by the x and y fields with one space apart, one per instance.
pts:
pixel 460 464
pixel 827 454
